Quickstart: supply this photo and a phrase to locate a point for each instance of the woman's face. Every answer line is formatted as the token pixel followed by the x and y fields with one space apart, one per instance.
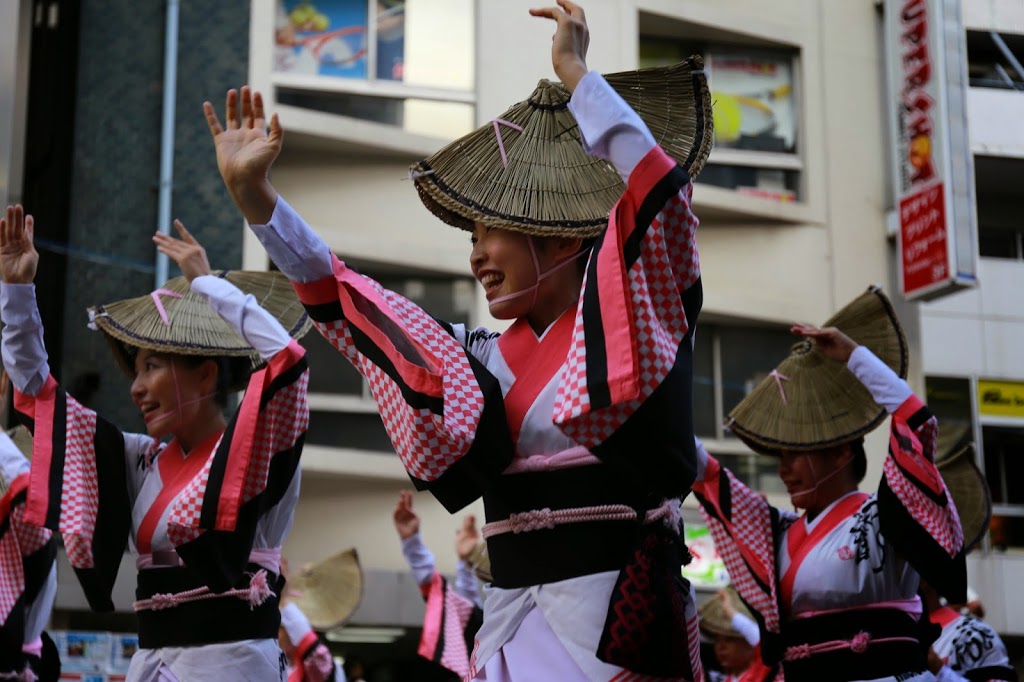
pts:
pixel 803 472
pixel 734 654
pixel 169 392
pixel 501 261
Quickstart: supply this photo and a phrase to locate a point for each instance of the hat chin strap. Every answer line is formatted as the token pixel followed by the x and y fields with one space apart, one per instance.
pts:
pixel 539 277
pixel 177 396
pixel 817 483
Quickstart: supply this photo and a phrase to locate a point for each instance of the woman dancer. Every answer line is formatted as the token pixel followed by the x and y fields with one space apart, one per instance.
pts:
pixel 206 512
pixel 543 421
pixel 834 590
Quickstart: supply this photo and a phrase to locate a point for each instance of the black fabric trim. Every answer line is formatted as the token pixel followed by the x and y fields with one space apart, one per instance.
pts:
pixel 652 205
pixel 58 444
pixel 654 448
pixel 113 517
pixel 219 557
pixel 473 625
pixel 324 312
pixel 989 672
pixel 698 85
pixel 37 567
pixel 566 551
pixel 918 419
pixel 376 355
pixel 489 455
pixel 593 336
pixel 880 660
pixel 283 380
pixel 227 619
pixel 12 636
pixel 948 575
pixel 938 498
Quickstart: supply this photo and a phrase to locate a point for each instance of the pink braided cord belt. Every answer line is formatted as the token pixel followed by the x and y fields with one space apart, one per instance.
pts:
pixel 546 519
pixel 256 593
pixel 858 645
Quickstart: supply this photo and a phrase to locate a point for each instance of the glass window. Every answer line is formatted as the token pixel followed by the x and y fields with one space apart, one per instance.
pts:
pixel 356 57
pixel 755 111
pixel 1000 225
pixel 1004 463
pixel 993 60
pixel 950 400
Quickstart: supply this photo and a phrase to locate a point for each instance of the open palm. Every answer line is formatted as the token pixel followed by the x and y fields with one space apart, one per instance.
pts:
pixel 18 256
pixel 245 150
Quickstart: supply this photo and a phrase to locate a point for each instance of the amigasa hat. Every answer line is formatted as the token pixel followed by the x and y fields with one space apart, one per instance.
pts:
pixel 810 402
pixel 970 493
pixel 712 619
pixel 330 591
pixel 527 170
pixel 175 320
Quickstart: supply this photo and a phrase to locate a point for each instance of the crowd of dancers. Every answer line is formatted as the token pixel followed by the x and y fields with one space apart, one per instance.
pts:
pixel 574 426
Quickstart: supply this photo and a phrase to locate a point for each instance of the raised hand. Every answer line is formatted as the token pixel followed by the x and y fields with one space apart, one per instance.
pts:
pixel 832 343
pixel 18 256
pixel 570 42
pixel 466 538
pixel 406 522
pixel 188 253
pixel 246 151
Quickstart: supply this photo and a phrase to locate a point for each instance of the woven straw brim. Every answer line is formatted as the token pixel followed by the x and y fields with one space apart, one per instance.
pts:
pixel 481 563
pixel 195 328
pixel 969 490
pixel 550 186
pixel 825 404
pixel 22 438
pixel 712 620
pixel 330 591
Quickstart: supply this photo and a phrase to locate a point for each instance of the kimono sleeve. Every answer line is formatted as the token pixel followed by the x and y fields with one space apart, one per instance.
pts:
pixel 442 409
pixel 746 530
pixel 628 377
pixel 78 484
pixel 916 512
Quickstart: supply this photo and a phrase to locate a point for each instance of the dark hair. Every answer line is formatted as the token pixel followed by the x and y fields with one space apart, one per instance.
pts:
pixel 860 459
pixel 231 371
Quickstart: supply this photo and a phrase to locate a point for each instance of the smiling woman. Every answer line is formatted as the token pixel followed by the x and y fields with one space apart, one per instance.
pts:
pixel 207 511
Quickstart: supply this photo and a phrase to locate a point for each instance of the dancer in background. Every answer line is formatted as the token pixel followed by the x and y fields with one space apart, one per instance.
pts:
pixel 834 590
pixel 207 511
pixel 28 571
pixel 451 608
pixel 736 639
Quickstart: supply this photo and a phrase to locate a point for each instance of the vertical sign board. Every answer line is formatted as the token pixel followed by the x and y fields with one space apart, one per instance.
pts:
pixel 933 170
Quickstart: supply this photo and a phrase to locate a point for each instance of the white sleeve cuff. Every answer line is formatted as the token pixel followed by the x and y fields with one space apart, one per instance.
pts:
pixel 610 128
pixel 419 557
pixel 746 627
pixel 260 329
pixel 886 387
pixel 295 248
pixel 24 354
pixel 295 623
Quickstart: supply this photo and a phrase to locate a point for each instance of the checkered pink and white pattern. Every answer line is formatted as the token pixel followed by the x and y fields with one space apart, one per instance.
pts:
pixel 750 527
pixel 941 523
pixel 12 574
pixel 458 609
pixel 30 538
pixel 183 521
pixel 427 444
pixel 667 266
pixel 79 502
pixel 282 421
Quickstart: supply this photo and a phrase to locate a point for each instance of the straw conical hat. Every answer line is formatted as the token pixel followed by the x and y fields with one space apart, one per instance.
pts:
pixel 547 185
pixel 193 327
pixel 328 592
pixel 818 403
pixel 22 438
pixel 481 563
pixel 712 620
pixel 967 486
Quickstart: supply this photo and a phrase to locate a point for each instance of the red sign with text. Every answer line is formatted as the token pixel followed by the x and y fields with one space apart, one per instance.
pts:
pixel 923 239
